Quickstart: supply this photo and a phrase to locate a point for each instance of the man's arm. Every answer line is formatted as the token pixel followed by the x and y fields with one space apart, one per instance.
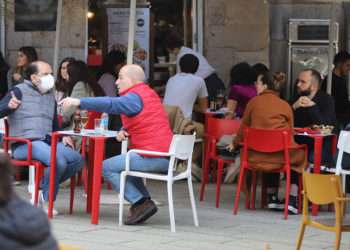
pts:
pixel 129 104
pixel 324 113
pixel 10 102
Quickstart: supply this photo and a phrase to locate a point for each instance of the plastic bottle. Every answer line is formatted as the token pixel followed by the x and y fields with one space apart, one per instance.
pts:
pixel 104 120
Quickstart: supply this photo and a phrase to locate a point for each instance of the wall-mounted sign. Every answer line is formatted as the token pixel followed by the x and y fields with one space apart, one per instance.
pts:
pixel 118 30
pixel 35 15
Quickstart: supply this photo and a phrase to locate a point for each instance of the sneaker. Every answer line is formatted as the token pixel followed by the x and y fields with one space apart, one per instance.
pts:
pixel 45 205
pixel 274 203
pixel 292 205
pixel 141 212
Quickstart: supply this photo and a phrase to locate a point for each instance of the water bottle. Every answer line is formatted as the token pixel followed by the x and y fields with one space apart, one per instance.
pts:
pixel 104 121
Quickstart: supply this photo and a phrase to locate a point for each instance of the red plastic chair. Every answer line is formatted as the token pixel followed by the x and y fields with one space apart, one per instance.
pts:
pixel 215 128
pixel 39 167
pixel 266 141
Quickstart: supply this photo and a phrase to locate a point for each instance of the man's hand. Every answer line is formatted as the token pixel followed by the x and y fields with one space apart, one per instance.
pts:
pixel 14 102
pixel 303 102
pixel 230 147
pixel 68 102
pixel 68 141
pixel 122 135
pixel 16 77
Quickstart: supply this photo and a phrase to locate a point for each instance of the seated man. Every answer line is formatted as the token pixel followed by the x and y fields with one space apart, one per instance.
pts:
pixel 31 110
pixel 205 70
pixel 146 122
pixel 183 89
pixel 22 226
pixel 313 106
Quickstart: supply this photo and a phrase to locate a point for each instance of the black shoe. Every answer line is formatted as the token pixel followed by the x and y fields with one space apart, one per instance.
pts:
pixel 292 205
pixel 274 203
pixel 141 212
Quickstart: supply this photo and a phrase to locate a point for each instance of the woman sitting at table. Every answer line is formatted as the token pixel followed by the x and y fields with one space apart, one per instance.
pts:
pixel 242 89
pixel 80 84
pixel 269 111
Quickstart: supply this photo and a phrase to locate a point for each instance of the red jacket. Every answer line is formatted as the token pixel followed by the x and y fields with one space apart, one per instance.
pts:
pixel 149 129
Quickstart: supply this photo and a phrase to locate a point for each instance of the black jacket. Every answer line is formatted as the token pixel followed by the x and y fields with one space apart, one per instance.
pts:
pixel 321 113
pixel 24 227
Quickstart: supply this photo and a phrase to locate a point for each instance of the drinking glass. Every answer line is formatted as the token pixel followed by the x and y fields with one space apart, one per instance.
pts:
pixel 84 116
pixel 99 127
pixel 220 98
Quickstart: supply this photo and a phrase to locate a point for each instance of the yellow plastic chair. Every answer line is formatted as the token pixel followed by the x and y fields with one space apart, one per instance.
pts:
pixel 321 190
pixel 64 247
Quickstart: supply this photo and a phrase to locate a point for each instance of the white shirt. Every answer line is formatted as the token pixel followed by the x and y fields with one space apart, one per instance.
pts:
pixel 204 68
pixel 182 90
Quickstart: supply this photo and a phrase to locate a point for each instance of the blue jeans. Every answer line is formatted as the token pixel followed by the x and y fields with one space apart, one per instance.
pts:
pixel 135 190
pixel 68 163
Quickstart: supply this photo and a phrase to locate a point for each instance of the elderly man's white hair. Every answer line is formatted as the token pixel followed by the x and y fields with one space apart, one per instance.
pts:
pixel 135 72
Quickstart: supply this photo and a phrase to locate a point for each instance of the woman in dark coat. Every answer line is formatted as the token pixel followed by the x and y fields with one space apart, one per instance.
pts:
pixel 22 226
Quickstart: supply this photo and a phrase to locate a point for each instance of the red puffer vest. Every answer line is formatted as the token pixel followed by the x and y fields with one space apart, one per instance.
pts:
pixel 149 129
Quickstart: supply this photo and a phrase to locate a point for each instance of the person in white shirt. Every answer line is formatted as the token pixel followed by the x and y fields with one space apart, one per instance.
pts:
pixel 205 70
pixel 185 88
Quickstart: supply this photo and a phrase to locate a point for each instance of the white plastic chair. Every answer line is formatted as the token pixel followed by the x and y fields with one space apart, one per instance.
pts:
pixel 181 148
pixel 343 146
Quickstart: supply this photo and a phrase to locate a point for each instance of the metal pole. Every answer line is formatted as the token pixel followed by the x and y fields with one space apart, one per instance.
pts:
pixel 194 26
pixel 132 18
pixel 86 44
pixel 331 49
pixel 200 26
pixel 58 35
pixel 184 13
pixel 2 34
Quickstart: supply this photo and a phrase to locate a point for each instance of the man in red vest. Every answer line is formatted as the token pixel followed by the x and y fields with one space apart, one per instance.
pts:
pixel 146 124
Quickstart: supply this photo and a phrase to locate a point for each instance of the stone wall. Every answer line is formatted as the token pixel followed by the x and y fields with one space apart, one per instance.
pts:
pixel 73 34
pixel 236 31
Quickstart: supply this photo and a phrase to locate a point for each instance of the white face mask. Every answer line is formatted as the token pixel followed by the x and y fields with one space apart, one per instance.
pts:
pixel 47 82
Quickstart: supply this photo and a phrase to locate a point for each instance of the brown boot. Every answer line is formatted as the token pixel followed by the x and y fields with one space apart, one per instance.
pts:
pixel 141 212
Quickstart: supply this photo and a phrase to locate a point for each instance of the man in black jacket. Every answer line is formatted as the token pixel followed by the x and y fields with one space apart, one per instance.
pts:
pixel 340 86
pixel 313 107
pixel 22 226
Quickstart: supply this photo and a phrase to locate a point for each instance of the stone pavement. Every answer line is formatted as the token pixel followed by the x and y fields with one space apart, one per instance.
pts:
pixel 219 228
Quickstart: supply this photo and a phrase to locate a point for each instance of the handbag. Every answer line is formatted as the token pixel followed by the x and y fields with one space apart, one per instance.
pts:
pixel 221 145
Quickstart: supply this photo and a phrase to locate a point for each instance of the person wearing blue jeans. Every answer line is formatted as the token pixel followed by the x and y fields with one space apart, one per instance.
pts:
pixel 31 110
pixel 146 124
pixel 134 187
pixel 68 162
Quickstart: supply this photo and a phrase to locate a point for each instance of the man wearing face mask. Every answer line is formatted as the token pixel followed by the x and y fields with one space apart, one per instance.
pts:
pixel 31 110
pixel 313 107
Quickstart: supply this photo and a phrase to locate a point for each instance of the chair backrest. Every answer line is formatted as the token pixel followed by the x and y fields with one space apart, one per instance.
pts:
pixel 267 140
pixel 322 189
pixel 343 146
pixel 182 146
pixel 218 127
pixel 92 116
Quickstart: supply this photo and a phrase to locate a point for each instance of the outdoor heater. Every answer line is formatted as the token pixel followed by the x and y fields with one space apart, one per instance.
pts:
pixel 309 46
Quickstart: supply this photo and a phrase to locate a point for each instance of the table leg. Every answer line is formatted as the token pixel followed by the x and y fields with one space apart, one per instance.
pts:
pixel 97 174
pixel 52 172
pixel 90 175
pixel 317 165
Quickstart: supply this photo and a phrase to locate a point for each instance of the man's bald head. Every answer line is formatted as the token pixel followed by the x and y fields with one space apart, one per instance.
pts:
pixel 134 72
pixel 130 75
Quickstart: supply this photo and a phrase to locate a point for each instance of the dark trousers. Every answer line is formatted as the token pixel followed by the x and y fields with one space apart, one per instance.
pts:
pixel 272 180
pixel 213 83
